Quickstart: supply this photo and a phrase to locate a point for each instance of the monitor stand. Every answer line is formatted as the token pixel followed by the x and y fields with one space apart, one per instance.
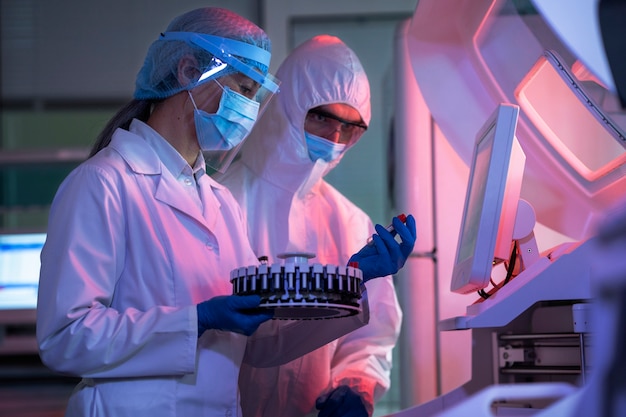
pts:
pixel 544 277
pixel 524 235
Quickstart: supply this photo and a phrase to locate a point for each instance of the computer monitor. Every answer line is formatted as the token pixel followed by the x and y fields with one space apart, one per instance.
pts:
pixel 19 275
pixel 491 201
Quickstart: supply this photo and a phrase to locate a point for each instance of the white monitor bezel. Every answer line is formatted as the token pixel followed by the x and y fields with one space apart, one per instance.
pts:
pixel 494 231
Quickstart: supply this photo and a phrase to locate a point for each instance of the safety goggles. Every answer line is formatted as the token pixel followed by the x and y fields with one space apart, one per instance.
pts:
pixel 325 124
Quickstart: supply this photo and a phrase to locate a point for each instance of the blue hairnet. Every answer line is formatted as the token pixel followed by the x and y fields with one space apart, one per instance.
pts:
pixel 158 78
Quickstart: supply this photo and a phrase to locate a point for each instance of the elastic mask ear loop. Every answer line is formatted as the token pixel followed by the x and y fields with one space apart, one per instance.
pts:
pixel 192 100
pixel 218 83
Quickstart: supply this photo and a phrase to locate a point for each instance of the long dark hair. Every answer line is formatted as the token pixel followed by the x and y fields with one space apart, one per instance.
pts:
pixel 135 109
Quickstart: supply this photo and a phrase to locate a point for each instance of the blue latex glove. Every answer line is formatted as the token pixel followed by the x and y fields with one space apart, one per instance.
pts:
pixel 386 256
pixel 343 401
pixel 234 313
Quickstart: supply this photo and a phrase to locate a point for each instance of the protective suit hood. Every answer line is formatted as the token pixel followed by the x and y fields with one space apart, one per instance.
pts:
pixel 276 149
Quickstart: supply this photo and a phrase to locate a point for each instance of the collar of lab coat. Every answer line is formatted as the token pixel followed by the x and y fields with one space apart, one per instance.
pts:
pixel 143 160
pixel 320 71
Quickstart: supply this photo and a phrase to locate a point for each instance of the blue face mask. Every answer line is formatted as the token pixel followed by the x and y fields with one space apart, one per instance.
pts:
pixel 320 148
pixel 228 127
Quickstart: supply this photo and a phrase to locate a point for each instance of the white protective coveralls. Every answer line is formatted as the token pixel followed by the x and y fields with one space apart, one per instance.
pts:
pixel 290 208
pixel 129 254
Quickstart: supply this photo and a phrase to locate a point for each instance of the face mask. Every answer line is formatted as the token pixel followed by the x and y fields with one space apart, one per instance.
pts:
pixel 320 148
pixel 228 127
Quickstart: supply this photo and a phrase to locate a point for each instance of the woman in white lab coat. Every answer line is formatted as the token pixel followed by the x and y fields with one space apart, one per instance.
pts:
pixel 290 208
pixel 133 293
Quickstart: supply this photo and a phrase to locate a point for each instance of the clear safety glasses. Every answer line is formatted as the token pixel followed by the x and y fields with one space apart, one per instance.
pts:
pixel 325 124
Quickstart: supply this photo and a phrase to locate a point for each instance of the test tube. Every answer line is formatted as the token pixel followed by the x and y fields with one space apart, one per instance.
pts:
pixel 390 228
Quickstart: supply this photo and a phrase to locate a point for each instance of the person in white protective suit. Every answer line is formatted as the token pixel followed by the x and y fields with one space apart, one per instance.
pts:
pixel 322 110
pixel 134 283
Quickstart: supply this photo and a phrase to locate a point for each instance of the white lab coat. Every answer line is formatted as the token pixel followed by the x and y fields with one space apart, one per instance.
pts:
pixel 289 207
pixel 128 256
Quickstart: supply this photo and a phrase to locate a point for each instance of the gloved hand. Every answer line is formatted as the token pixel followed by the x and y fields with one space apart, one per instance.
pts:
pixel 234 313
pixel 343 401
pixel 386 256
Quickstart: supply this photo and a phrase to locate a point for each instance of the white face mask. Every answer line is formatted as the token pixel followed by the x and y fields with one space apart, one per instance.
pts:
pixel 320 148
pixel 228 127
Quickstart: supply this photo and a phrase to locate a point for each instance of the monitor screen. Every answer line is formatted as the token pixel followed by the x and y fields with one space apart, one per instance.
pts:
pixel 19 269
pixel 491 201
